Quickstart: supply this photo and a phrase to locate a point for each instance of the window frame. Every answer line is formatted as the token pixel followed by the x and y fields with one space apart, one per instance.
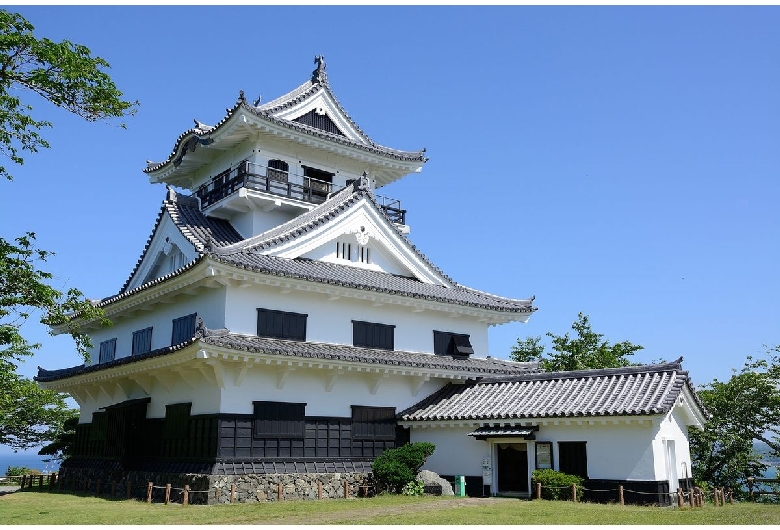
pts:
pixel 278 419
pixel 289 321
pixel 574 459
pixel 373 423
pixel 137 338
pixel 373 330
pixel 177 323
pixel 103 354
pixel 445 343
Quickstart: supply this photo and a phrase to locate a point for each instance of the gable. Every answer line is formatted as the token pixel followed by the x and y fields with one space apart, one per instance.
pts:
pixel 322 111
pixel 361 237
pixel 167 251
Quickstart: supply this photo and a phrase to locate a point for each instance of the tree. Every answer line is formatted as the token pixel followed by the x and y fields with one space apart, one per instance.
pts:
pixel 744 409
pixel 63 440
pixel 68 76
pixel 63 73
pixel 586 350
pixel 29 414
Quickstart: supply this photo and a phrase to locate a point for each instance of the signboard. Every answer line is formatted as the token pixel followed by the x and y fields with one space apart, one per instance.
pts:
pixel 543 455
pixel 487 472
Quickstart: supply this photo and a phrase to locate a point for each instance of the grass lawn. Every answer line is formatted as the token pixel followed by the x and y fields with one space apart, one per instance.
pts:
pixel 30 507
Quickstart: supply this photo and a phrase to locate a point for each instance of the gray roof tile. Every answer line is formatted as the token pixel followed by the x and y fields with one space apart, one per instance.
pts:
pixel 217 239
pixel 311 350
pixel 634 390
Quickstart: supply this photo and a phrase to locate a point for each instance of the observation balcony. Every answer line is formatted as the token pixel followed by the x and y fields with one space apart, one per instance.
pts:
pixel 275 184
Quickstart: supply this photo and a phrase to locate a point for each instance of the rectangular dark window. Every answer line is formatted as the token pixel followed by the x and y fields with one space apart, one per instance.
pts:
pixel 372 335
pixel 142 341
pixel 107 350
pixel 276 419
pixel 183 329
pixel 376 423
pixel 281 324
pixel 177 420
pixel 446 343
pixel 573 458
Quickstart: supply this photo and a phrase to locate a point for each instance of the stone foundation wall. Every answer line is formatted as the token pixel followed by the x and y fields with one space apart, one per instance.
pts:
pixel 213 489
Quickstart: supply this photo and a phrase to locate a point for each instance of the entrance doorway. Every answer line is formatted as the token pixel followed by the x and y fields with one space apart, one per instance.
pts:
pixel 512 468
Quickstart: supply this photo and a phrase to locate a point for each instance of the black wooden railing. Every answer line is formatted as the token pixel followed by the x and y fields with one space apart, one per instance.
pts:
pixel 277 182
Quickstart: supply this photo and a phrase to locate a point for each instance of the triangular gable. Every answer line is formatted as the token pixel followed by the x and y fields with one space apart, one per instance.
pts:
pixel 181 234
pixel 352 215
pixel 166 251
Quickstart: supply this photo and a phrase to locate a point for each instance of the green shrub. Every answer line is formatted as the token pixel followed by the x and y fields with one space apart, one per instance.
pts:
pixel 555 485
pixel 415 488
pixel 395 468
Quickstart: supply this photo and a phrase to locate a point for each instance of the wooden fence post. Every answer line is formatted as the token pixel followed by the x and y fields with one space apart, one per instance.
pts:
pixel 40 481
pixel 620 494
pixel 167 494
pixel 574 492
pixel 731 496
pixel 680 499
pixel 319 490
pixel 149 491
pixel 232 493
pixel 346 489
pixel 185 497
pixel 279 491
pixel 538 490
pixel 750 488
pixel 52 480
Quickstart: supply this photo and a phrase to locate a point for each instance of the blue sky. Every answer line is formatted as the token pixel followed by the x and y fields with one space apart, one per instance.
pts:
pixel 619 161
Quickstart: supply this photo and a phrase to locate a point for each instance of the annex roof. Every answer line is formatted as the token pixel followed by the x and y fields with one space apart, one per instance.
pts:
pixel 628 391
pixel 323 118
pixel 308 351
pixel 216 240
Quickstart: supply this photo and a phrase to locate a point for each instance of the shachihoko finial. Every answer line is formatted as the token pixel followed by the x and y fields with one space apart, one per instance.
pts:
pixel 319 75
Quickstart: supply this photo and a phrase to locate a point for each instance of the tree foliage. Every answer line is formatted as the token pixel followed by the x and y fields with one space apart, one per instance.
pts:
pixel 744 409
pixel 63 73
pixel 29 414
pixel 68 76
pixel 585 350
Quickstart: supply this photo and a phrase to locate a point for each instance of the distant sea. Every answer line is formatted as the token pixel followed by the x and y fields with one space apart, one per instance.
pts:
pixel 31 461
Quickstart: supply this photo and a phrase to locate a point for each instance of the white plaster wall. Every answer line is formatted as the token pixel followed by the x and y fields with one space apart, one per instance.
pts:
pixel 209 304
pixel 330 321
pixel 456 452
pixel 672 427
pixel 306 385
pixel 616 452
pixel 378 260
pixel 254 222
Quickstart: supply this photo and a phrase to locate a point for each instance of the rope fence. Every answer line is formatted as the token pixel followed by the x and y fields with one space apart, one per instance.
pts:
pixel 694 498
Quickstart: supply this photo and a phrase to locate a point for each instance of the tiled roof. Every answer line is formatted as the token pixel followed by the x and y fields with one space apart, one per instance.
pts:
pixel 217 239
pixel 312 350
pixel 64 373
pixel 502 431
pixel 267 112
pixel 200 230
pixel 341 352
pixel 634 390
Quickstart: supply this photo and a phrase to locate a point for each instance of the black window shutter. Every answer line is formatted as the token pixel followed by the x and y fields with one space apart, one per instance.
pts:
pixel 573 458
pixel 373 335
pixel 281 324
pixel 183 329
pixel 142 341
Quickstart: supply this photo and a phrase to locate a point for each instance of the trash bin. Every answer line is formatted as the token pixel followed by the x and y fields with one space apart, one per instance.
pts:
pixel 460 486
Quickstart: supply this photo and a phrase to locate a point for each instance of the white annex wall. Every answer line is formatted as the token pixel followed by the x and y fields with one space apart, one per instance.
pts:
pixel 456 452
pixel 614 452
pixel 330 321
